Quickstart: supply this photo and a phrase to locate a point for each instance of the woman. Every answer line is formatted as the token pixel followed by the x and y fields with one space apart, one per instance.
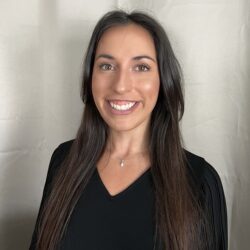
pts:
pixel 125 181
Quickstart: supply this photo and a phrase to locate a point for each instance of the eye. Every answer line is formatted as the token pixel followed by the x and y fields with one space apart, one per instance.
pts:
pixel 142 67
pixel 106 67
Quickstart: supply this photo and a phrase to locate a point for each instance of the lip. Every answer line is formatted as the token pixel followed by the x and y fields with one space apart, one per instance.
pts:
pixel 121 112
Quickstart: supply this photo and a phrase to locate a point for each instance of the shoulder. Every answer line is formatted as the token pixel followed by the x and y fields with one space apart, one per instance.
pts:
pixel 201 170
pixel 63 147
pixel 205 175
pixel 208 181
pixel 57 158
pixel 61 151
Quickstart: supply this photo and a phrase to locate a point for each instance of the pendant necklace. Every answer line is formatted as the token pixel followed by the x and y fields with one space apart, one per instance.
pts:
pixel 122 163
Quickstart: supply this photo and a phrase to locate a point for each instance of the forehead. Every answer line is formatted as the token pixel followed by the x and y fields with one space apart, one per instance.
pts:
pixel 126 40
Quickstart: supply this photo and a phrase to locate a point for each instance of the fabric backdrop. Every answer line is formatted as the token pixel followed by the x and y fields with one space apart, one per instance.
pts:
pixel 42 44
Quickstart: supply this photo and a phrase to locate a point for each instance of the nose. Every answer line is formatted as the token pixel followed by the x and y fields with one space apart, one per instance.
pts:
pixel 122 82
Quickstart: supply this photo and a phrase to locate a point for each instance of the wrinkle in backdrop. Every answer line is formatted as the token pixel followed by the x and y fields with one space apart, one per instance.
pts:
pixel 42 44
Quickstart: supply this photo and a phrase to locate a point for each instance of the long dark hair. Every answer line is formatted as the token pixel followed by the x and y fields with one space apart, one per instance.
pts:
pixel 179 220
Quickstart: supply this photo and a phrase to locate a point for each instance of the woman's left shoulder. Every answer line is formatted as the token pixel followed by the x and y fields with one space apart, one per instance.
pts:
pixel 210 185
pixel 204 172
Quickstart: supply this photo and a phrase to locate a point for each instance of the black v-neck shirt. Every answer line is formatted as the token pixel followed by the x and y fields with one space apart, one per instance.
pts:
pixel 124 221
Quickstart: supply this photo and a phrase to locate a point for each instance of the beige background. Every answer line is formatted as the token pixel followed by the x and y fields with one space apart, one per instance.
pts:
pixel 41 49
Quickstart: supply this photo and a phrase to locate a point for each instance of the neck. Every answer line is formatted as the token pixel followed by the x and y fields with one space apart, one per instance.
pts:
pixel 122 144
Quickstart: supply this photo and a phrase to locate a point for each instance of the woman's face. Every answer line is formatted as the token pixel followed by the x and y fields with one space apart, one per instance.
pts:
pixel 125 80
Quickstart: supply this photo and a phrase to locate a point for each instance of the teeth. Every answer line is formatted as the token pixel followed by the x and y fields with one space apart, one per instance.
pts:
pixel 122 107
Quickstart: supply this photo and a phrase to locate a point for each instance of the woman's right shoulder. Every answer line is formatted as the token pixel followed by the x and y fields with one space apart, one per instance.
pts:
pixel 64 147
pixel 57 157
pixel 61 150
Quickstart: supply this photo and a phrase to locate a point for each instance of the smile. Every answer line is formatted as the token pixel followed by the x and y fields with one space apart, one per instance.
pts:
pixel 126 106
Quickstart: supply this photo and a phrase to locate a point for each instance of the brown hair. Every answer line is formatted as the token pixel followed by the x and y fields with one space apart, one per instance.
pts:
pixel 180 223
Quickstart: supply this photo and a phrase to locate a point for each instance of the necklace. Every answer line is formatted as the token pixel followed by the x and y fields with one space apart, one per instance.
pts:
pixel 122 163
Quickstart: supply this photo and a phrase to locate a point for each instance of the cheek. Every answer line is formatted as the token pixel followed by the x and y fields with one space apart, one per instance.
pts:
pixel 151 88
pixel 101 81
pixel 98 85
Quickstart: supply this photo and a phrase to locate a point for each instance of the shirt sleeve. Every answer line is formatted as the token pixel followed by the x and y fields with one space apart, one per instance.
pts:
pixel 51 171
pixel 216 206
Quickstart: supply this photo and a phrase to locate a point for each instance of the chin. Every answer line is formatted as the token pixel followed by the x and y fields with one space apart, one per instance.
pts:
pixel 120 128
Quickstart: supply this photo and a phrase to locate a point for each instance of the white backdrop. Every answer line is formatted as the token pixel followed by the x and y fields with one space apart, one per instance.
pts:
pixel 42 44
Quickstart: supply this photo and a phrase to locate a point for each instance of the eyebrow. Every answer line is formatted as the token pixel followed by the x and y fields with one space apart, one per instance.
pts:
pixel 107 56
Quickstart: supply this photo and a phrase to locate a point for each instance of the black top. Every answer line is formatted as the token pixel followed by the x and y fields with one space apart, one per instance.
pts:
pixel 124 221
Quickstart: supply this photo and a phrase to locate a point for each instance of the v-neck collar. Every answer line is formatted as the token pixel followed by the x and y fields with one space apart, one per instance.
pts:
pixel 125 190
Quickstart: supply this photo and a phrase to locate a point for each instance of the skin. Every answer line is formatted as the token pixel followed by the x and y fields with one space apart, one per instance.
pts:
pixel 125 68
